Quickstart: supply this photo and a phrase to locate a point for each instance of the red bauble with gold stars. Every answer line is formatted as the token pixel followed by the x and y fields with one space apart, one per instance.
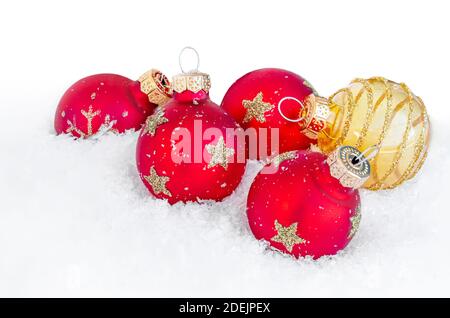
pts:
pixel 253 101
pixel 310 206
pixel 113 102
pixel 187 150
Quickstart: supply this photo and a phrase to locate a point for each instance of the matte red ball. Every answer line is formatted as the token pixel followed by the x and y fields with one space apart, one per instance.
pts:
pixel 102 100
pixel 265 88
pixel 301 209
pixel 191 180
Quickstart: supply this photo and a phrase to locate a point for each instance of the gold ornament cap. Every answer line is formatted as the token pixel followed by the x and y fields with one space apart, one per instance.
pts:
pixel 157 86
pixel 192 81
pixel 349 166
pixel 315 114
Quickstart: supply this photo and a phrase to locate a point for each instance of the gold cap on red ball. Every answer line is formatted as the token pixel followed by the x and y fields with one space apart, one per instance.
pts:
pixel 192 81
pixel 315 115
pixel 157 86
pixel 350 166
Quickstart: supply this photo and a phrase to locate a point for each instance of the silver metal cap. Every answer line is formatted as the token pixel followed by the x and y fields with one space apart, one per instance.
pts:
pixel 350 166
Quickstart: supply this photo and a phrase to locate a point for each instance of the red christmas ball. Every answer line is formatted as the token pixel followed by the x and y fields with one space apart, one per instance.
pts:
pixel 303 209
pixel 253 101
pixel 186 151
pixel 109 102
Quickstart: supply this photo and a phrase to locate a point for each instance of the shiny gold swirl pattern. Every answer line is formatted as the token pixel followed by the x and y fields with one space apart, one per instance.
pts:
pixel 377 111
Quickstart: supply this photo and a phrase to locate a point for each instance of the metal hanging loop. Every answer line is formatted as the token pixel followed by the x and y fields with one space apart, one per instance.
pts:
pixel 283 115
pixel 181 55
pixel 359 160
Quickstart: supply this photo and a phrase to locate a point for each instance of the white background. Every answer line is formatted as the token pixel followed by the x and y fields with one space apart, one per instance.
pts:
pixel 75 220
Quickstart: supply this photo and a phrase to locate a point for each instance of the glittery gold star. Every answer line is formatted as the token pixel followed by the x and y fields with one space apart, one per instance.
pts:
pixel 277 160
pixel 157 182
pixel 355 220
pixel 154 121
pixel 219 154
pixel 256 108
pixel 287 235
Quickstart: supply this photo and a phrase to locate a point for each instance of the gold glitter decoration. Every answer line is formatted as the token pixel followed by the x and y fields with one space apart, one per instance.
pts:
pixel 154 121
pixel 377 111
pixel 287 235
pixel 277 160
pixel 108 125
pixel 73 127
pixel 219 154
pixel 355 220
pixel 193 81
pixel 256 108
pixel 89 115
pixel 158 183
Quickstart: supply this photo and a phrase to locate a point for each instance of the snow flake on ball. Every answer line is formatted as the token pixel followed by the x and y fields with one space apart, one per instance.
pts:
pixel 157 182
pixel 256 108
pixel 219 154
pixel 355 220
pixel 287 235
pixel 108 126
pixel 89 115
pixel 153 121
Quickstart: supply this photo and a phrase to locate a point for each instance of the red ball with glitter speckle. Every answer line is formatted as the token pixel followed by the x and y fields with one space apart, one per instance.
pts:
pixel 186 150
pixel 253 100
pixel 302 209
pixel 109 102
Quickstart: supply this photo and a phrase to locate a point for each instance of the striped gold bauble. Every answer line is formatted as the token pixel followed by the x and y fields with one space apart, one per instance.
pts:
pixel 378 112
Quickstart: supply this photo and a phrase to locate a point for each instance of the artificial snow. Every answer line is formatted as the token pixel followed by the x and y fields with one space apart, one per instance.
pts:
pixel 76 220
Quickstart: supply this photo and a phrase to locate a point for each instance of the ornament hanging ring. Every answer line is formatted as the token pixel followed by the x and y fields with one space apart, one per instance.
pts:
pixel 181 54
pixel 283 115
pixel 372 150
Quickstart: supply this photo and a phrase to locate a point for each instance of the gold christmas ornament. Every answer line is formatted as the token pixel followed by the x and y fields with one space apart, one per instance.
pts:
pixel 370 112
